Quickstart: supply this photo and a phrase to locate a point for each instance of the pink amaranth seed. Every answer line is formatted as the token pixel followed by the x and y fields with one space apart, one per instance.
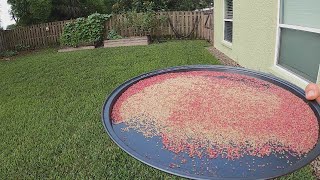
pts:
pixel 211 114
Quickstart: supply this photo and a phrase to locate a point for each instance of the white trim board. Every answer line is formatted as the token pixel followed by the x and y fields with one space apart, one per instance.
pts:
pixel 287 75
pixel 276 54
pixel 300 28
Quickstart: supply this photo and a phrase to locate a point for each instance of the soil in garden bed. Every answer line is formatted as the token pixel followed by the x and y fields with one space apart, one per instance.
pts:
pixel 218 114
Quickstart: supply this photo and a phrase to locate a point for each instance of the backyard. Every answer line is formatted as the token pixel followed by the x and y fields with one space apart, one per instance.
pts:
pixel 50 110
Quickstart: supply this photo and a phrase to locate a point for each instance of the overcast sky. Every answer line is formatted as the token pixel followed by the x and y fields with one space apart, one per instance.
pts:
pixel 4 14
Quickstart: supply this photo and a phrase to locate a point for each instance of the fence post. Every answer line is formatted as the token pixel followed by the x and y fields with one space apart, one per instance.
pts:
pixel 2 43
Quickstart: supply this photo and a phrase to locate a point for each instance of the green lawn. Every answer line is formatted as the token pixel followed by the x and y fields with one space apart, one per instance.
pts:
pixel 50 110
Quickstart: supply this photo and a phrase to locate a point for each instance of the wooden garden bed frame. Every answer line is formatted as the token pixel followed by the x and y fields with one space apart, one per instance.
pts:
pixel 132 41
pixel 70 49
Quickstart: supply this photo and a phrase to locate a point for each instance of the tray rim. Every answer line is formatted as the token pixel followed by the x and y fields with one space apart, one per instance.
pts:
pixel 112 97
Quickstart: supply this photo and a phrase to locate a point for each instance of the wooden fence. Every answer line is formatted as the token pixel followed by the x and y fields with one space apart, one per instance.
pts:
pixel 181 24
pixel 199 25
pixel 35 36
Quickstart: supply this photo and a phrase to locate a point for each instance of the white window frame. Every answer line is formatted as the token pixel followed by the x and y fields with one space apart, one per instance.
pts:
pixel 229 44
pixel 277 49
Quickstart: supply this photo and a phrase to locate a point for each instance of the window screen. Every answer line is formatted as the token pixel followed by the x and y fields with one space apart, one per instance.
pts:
pixel 228 31
pixel 228 20
pixel 300 53
pixel 299 46
pixel 228 9
pixel 304 13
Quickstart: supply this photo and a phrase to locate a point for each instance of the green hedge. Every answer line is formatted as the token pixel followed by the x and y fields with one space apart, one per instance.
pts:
pixel 84 30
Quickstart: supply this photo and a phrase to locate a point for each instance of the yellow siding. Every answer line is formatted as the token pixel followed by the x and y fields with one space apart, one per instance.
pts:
pixel 254 32
pixel 254 35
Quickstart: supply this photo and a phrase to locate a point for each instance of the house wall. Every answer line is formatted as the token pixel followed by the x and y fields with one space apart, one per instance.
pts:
pixel 254 35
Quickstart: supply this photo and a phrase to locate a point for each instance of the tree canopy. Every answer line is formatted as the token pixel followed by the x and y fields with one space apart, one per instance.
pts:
pixel 160 5
pixel 27 12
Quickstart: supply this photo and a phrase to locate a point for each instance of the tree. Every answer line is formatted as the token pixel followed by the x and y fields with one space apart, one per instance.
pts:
pixel 70 9
pixel 27 12
pixel 11 26
pixel 108 5
pixel 188 5
pixel 159 5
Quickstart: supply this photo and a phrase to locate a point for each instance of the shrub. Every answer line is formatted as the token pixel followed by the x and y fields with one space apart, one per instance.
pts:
pixel 11 26
pixel 147 21
pixel 5 54
pixel 84 30
pixel 113 35
pixel 21 47
pixel 142 21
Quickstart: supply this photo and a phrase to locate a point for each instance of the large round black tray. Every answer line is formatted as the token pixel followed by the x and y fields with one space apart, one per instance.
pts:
pixel 149 152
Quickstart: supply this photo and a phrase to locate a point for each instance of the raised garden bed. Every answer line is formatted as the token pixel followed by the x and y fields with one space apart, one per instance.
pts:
pixel 70 49
pixel 132 41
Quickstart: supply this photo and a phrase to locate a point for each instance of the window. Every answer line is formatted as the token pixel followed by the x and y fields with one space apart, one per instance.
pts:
pixel 228 20
pixel 299 41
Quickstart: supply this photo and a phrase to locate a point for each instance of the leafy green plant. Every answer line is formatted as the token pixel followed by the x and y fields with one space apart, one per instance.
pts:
pixel 21 47
pixel 113 35
pixel 8 53
pixel 146 21
pixel 12 27
pixel 84 30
